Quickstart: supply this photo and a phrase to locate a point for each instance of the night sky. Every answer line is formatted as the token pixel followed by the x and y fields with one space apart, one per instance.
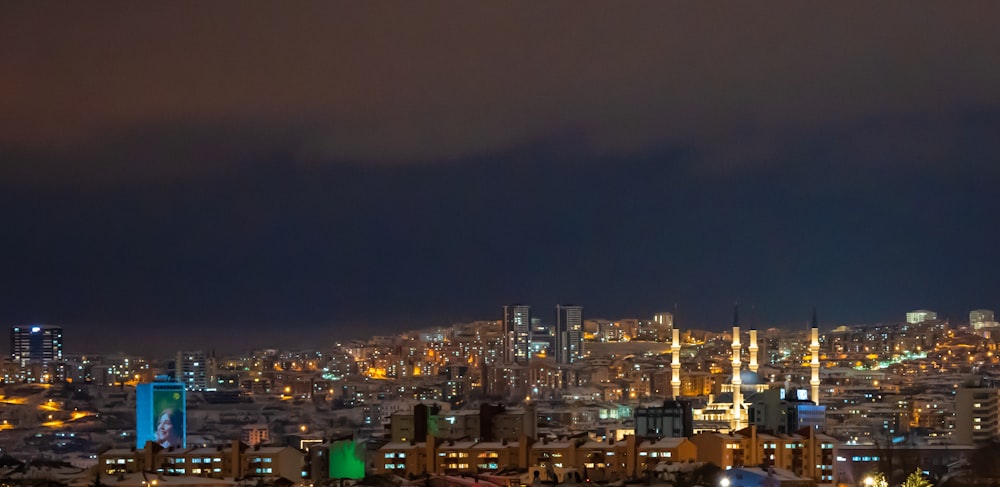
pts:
pixel 230 175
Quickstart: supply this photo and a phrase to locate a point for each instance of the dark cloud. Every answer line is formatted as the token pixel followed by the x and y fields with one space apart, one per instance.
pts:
pixel 441 81
pixel 325 249
pixel 329 167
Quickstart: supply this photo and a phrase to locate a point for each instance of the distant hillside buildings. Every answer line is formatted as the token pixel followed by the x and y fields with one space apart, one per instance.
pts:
pixel 526 337
pixel 920 316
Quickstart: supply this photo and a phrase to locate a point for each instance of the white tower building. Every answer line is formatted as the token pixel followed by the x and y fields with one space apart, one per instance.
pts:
pixel 675 364
pixel 814 364
pixel 981 318
pixel 920 315
pixel 194 370
pixel 737 421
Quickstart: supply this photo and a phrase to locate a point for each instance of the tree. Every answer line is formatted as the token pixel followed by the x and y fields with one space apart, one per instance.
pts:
pixel 97 480
pixel 877 479
pixel 916 479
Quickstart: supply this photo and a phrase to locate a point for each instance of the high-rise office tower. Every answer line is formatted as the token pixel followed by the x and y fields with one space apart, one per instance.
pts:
pixel 193 370
pixel 517 333
pixel 35 351
pixel 569 333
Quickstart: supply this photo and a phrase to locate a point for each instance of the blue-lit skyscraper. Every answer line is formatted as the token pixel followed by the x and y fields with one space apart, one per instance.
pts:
pixel 36 351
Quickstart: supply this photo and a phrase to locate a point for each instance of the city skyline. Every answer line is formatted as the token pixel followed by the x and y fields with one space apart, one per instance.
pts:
pixel 169 179
pixel 740 400
pixel 513 317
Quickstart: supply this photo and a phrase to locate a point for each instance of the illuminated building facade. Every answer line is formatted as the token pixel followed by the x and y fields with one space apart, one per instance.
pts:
pixel 36 352
pixel 982 318
pixel 658 329
pixel 977 414
pixel 786 412
pixel 568 334
pixel 160 414
pixel 193 370
pixel 673 419
pixel 920 315
pixel 255 434
pixel 517 333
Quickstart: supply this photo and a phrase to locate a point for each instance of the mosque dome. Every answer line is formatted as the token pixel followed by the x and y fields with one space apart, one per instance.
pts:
pixel 749 377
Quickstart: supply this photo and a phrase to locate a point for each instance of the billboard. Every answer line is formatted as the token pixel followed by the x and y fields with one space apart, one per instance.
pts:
pixel 160 414
pixel 347 460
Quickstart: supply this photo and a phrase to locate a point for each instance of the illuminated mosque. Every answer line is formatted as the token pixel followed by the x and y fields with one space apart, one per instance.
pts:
pixel 728 411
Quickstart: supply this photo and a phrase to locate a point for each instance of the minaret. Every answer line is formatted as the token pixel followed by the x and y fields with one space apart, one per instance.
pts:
pixel 675 364
pixel 753 348
pixel 737 382
pixel 814 350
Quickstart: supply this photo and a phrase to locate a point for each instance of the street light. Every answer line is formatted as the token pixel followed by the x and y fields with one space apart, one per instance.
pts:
pixel 724 482
pixel 875 480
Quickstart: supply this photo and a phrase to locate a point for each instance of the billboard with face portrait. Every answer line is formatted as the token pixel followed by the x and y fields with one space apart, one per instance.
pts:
pixel 160 414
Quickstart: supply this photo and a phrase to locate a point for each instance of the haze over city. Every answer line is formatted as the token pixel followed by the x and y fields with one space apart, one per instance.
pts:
pixel 174 177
